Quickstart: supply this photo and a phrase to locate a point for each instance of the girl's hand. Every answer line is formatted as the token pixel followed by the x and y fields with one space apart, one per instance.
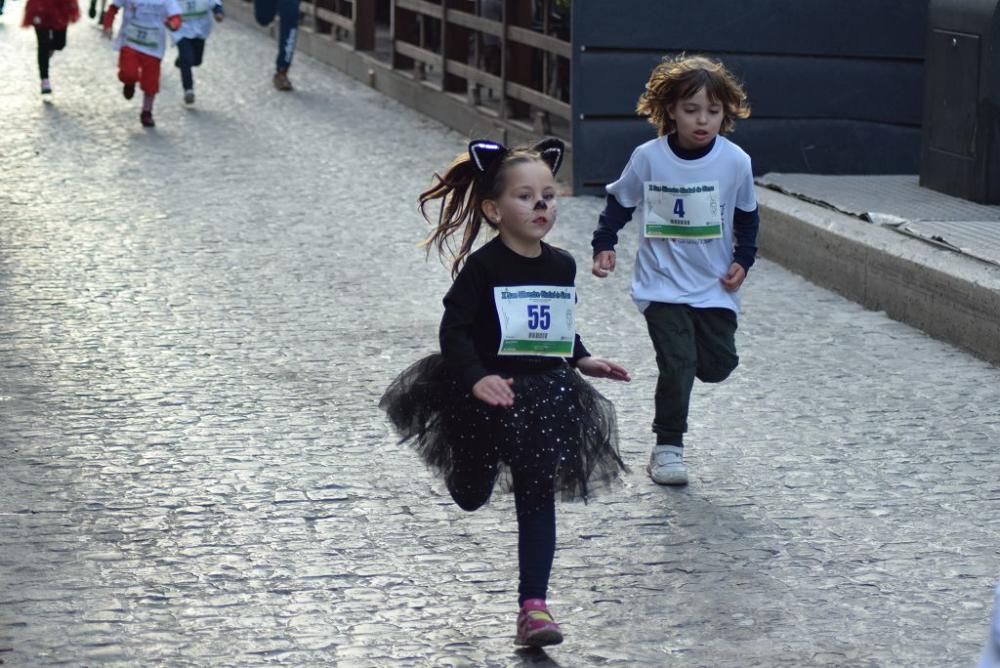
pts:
pixel 600 368
pixel 106 33
pixel 734 278
pixel 604 263
pixel 494 391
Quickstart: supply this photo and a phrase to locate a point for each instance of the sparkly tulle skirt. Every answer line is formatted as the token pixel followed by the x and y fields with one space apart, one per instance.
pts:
pixel 559 423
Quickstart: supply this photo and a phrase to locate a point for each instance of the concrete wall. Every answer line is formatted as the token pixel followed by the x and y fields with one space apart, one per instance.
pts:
pixel 948 295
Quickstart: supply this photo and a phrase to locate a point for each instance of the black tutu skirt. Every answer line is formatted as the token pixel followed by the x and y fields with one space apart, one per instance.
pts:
pixel 559 437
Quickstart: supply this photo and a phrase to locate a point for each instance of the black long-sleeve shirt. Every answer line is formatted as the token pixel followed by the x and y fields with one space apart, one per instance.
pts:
pixel 470 327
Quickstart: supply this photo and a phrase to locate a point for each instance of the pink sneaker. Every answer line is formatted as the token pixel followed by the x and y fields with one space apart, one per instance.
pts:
pixel 535 626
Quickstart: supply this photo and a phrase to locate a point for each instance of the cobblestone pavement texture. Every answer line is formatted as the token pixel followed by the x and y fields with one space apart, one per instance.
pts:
pixel 196 323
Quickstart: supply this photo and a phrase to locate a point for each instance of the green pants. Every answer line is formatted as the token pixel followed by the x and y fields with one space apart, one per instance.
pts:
pixel 690 343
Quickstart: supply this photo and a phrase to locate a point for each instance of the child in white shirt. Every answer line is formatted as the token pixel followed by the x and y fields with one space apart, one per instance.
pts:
pixel 190 39
pixel 699 238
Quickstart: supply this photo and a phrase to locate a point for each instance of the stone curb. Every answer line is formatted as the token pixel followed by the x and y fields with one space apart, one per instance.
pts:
pixel 947 295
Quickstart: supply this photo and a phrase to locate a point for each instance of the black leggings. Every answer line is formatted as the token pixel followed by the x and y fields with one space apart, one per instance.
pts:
pixel 190 51
pixel 536 525
pixel 48 41
pixel 532 469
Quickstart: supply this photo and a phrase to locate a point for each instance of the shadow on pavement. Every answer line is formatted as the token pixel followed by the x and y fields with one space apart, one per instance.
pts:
pixel 531 656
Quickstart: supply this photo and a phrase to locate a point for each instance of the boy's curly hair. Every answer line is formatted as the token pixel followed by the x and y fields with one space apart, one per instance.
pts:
pixel 680 77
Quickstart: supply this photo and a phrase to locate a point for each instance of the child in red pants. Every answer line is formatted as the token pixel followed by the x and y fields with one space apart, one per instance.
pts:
pixel 141 42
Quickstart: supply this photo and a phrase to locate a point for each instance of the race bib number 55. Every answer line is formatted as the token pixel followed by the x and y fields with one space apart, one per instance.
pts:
pixel 536 320
pixel 682 212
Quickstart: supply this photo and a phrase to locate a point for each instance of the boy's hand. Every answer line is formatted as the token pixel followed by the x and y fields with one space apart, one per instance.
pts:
pixel 494 391
pixel 218 16
pixel 604 262
pixel 600 368
pixel 734 278
pixel 173 23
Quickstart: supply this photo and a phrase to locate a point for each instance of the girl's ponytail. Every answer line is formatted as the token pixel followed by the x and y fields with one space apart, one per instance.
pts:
pixel 461 206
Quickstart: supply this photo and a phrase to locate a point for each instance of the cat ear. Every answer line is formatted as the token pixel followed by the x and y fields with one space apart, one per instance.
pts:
pixel 552 151
pixel 486 154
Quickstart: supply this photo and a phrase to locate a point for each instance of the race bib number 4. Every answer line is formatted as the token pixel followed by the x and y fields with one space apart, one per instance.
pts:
pixel 536 320
pixel 682 212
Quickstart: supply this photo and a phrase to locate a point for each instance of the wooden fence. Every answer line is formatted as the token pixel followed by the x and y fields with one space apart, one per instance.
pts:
pixel 509 59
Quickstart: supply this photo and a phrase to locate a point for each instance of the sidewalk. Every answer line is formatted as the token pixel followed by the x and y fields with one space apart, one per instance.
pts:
pixel 926 259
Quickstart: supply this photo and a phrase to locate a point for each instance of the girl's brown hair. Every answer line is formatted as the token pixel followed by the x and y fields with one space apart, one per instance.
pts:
pixel 680 77
pixel 463 189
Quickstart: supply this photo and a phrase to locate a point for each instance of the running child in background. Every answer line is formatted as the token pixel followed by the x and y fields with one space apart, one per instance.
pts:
pixel 287 12
pixel 699 224
pixel 504 393
pixel 50 19
pixel 141 43
pixel 197 17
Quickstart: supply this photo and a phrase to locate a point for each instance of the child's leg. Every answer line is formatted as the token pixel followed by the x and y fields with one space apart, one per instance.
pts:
pixel 149 77
pixel 715 338
pixel 264 11
pixel 476 459
pixel 197 51
pixel 673 334
pixel 536 544
pixel 288 11
pixel 534 456
pixel 58 40
pixel 185 60
pixel 471 482
pixel 128 65
pixel 44 50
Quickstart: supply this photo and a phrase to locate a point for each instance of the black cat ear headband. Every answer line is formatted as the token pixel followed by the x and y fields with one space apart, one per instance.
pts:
pixel 487 155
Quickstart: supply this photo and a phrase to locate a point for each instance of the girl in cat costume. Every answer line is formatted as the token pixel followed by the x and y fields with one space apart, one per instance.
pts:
pixel 504 399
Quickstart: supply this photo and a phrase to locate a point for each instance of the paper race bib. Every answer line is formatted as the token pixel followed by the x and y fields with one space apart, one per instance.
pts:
pixel 148 37
pixel 536 320
pixel 682 212
pixel 193 8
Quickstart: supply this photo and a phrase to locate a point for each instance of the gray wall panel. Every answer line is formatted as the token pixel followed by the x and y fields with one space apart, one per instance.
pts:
pixel 872 28
pixel 778 86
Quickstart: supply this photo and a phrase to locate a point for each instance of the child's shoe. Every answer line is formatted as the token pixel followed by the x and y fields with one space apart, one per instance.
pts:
pixel 666 465
pixel 128 90
pixel 535 625
pixel 281 81
pixel 189 96
pixel 46 87
pixel 146 118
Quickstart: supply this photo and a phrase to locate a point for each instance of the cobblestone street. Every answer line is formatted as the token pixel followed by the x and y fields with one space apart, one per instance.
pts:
pixel 197 321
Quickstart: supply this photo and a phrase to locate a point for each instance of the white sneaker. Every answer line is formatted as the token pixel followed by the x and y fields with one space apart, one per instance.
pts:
pixel 666 465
